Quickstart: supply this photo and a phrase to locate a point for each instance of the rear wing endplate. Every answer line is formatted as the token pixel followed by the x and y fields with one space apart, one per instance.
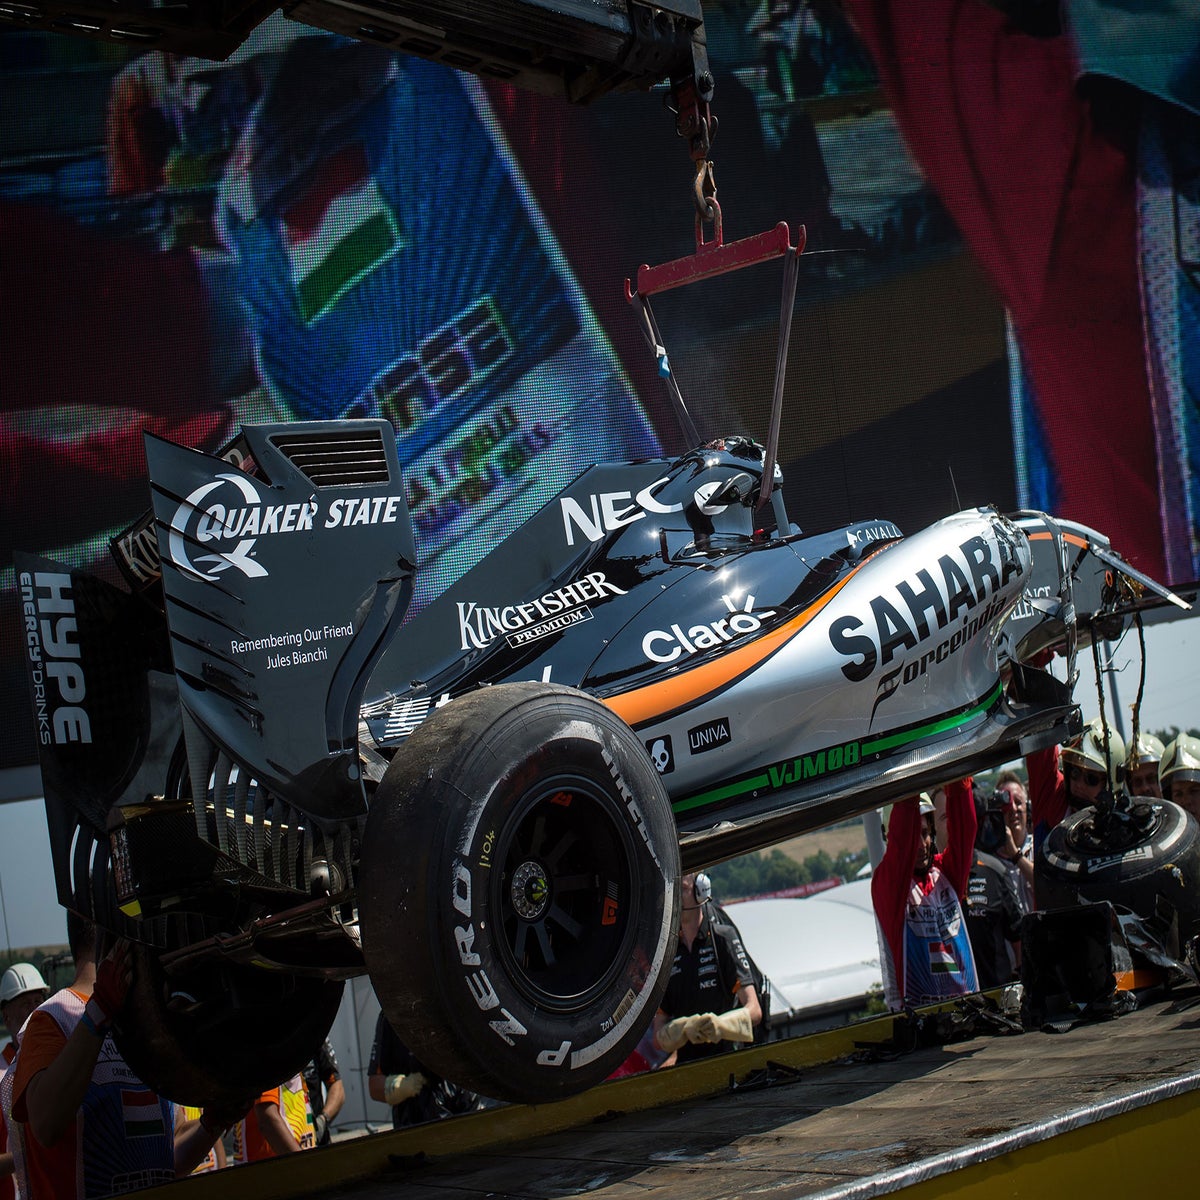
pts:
pixel 282 588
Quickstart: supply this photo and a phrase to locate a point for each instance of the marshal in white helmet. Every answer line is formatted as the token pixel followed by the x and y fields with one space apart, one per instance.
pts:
pixel 1141 765
pixel 22 989
pixel 1179 773
pixel 1087 769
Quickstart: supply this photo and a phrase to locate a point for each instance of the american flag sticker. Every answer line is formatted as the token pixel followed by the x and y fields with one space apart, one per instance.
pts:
pixel 338 232
pixel 941 959
pixel 142 1113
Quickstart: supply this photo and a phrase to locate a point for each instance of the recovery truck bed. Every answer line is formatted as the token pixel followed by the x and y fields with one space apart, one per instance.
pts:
pixel 1106 1109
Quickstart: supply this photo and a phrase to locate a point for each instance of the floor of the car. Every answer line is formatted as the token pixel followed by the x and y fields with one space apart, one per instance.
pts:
pixel 1010 733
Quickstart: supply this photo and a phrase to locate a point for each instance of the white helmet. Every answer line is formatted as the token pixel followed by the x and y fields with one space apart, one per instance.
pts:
pixel 1146 750
pixel 19 979
pixel 1087 751
pixel 1180 760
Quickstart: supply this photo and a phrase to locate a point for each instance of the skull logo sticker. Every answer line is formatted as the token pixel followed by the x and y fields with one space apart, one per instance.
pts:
pixel 661 754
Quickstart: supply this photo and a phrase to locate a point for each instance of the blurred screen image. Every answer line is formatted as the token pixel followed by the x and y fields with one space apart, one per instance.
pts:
pixel 322 228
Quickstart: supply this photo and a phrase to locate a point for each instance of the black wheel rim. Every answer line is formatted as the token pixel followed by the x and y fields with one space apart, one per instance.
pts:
pixel 1084 839
pixel 564 893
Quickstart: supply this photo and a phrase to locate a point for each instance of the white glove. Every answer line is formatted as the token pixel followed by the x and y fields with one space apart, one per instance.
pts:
pixel 673 1034
pixel 733 1026
pixel 398 1088
pixel 703 1028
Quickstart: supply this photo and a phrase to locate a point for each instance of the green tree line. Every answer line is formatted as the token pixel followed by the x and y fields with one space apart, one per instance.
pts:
pixel 755 874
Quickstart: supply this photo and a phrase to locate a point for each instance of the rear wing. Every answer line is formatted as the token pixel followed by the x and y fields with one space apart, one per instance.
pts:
pixel 282 588
pixel 105 714
pixel 281 584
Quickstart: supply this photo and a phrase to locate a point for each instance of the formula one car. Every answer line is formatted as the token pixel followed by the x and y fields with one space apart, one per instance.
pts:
pixel 270 776
pixel 260 772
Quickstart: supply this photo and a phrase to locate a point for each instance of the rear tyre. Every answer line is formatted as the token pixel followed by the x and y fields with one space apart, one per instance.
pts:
pixel 519 892
pixel 224 1034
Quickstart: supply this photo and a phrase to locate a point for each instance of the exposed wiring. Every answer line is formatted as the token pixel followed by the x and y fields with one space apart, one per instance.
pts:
pixel 1135 732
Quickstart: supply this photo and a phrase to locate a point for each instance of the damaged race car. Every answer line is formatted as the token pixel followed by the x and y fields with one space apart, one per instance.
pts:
pixel 266 773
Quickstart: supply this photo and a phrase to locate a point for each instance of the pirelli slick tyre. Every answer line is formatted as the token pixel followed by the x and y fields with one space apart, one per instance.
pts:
pixel 519 891
pixel 1154 872
pixel 224 1035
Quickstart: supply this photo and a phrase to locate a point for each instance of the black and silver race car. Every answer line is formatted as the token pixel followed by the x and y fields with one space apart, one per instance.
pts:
pixel 270 776
pixel 256 769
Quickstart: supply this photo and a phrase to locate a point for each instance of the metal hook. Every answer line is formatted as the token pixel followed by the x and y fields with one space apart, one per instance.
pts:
pixel 704 190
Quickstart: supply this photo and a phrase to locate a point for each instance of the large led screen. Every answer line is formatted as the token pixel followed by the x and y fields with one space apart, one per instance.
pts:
pixel 997 301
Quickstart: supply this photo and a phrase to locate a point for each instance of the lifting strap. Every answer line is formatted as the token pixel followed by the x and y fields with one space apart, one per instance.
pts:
pixel 713 258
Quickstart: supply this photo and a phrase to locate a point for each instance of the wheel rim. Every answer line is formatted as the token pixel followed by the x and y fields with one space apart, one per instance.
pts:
pixel 564 893
pixel 1145 825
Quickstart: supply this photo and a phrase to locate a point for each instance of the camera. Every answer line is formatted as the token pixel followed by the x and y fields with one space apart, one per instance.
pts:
pixel 993 828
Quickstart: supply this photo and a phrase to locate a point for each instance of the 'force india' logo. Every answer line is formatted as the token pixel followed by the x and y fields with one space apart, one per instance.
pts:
pixel 227 516
pixel 929 602
pixel 666 645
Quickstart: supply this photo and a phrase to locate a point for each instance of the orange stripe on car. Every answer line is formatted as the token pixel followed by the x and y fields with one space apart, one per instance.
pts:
pixel 667 695
pixel 1073 538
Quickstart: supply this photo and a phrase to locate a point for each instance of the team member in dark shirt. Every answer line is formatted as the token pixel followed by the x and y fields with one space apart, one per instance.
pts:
pixel 326 1092
pixel 396 1077
pixel 711 1002
pixel 992 907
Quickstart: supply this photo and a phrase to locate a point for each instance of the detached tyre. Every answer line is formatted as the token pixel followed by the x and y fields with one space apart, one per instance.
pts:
pixel 1148 863
pixel 519 891
pixel 224 1034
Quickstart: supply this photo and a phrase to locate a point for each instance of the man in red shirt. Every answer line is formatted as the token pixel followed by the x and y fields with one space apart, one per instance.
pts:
pixel 917 896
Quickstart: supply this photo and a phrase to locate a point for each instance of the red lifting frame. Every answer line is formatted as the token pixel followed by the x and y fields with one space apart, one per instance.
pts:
pixel 715 258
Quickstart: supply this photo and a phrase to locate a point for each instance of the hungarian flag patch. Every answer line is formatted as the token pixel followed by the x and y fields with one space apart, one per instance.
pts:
pixel 142 1114
pixel 337 232
pixel 941 959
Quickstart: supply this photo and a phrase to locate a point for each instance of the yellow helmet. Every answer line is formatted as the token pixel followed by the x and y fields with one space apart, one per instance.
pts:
pixel 1180 760
pixel 1147 749
pixel 1087 751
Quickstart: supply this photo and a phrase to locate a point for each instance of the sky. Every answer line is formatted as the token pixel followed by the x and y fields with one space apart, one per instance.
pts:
pixel 32 917
pixel 1172 694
